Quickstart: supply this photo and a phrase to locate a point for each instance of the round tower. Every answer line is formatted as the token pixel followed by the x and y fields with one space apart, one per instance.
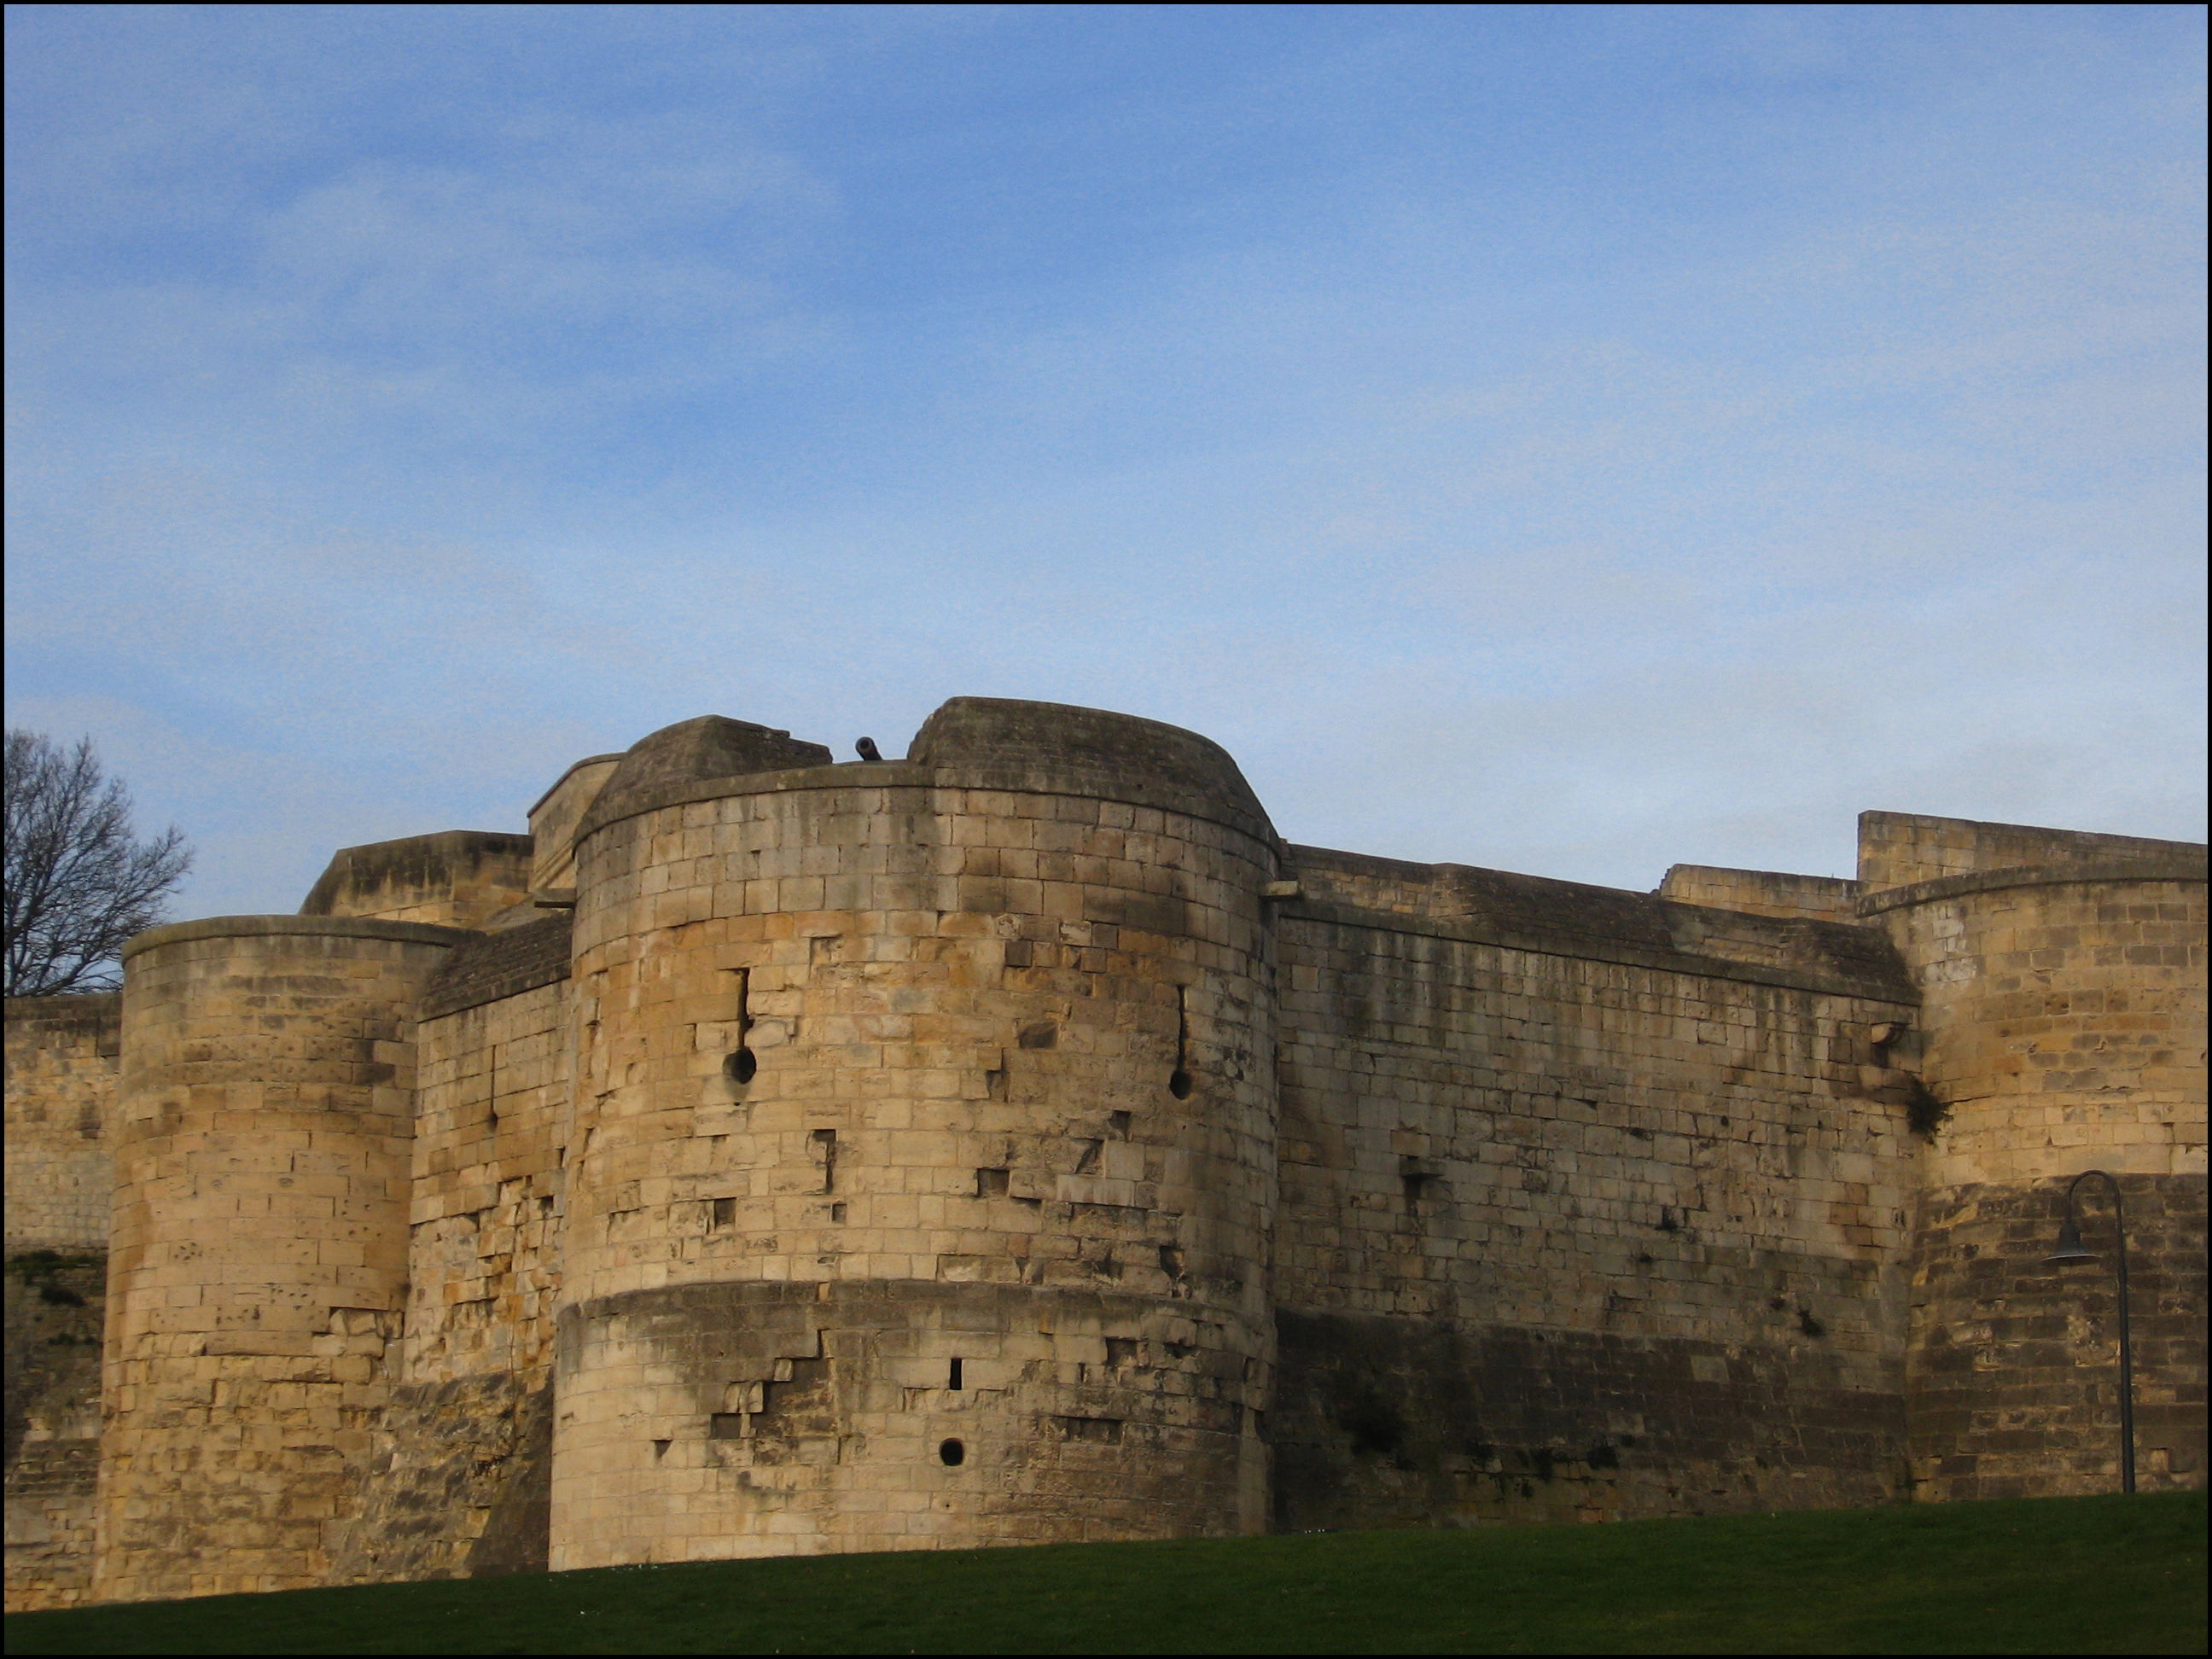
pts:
pixel 2063 1030
pixel 258 1261
pixel 923 1161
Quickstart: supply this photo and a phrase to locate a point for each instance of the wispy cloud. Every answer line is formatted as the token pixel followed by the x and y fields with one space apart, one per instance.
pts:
pixel 1574 439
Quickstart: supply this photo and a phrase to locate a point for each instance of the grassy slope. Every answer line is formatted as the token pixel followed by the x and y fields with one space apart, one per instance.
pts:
pixel 2097 1574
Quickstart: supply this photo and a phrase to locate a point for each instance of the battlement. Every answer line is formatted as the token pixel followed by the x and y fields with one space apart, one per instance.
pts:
pixel 1018 1141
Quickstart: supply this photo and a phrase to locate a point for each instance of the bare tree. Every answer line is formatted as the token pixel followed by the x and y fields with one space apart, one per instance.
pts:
pixel 79 883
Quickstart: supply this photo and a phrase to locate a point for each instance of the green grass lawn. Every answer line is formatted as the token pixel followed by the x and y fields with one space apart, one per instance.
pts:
pixel 2082 1575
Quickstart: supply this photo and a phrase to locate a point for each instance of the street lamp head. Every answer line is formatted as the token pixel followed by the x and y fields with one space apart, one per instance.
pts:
pixel 2071 1247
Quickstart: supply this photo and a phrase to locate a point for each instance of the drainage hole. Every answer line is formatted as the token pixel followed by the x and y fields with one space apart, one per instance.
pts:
pixel 952 1453
pixel 740 1067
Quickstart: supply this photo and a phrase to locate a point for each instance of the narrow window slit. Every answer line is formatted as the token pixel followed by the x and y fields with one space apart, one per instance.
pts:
pixel 1179 1080
pixel 741 1067
pixel 952 1377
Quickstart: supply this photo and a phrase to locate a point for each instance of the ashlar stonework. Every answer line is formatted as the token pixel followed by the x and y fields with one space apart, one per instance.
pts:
pixel 1019 1142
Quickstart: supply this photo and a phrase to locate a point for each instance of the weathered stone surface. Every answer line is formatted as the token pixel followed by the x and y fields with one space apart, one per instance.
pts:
pixel 2013 1363
pixel 62 1063
pixel 1392 1421
pixel 458 878
pixel 1019 1142
pixel 55 1302
pixel 259 1250
pixel 492 967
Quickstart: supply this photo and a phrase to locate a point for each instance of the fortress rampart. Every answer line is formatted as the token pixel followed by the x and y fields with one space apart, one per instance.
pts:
pixel 1019 1142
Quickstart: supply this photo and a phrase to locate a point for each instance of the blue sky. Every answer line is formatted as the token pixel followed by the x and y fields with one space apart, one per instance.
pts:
pixel 1569 440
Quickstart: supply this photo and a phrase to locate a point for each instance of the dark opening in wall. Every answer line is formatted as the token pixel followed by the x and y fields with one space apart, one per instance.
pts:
pixel 1925 1109
pixel 1180 1082
pixel 1809 1325
pixel 1097 1431
pixel 725 1214
pixel 991 1183
pixel 1372 1423
pixel 659 1449
pixel 741 1067
pixel 825 1148
pixel 951 1454
pixel 727 1425
pixel 952 1374
pixel 1421 1184
pixel 1087 1160
pixel 1044 1035
pixel 1118 1122
pixel 1121 1351
pixel 837 1212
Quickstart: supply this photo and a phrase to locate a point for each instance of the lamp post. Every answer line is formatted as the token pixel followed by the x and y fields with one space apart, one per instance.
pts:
pixel 2071 1249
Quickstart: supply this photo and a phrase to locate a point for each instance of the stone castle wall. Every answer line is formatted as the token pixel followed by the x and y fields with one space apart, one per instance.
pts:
pixel 62 1064
pixel 460 1480
pixel 1020 1143
pixel 1573 1228
pixel 2062 986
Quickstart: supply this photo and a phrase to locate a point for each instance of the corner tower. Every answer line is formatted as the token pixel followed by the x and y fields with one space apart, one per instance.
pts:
pixel 923 1164
pixel 257 1268
pixel 2062 977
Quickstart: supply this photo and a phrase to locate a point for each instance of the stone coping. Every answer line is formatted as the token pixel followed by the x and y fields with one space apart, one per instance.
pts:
pixel 1584 948
pixel 492 967
pixel 2040 875
pixel 65 1004
pixel 568 772
pixel 906 775
pixel 179 933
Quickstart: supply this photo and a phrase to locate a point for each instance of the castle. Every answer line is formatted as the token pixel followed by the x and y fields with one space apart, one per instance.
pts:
pixel 1019 1142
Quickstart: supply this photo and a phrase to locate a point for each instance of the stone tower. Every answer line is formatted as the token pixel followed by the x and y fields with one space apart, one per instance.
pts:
pixel 2062 1029
pixel 1008 996
pixel 257 1267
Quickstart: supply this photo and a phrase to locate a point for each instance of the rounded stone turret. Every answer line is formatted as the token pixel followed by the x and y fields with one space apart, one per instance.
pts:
pixel 923 1162
pixel 259 1262
pixel 2062 1029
